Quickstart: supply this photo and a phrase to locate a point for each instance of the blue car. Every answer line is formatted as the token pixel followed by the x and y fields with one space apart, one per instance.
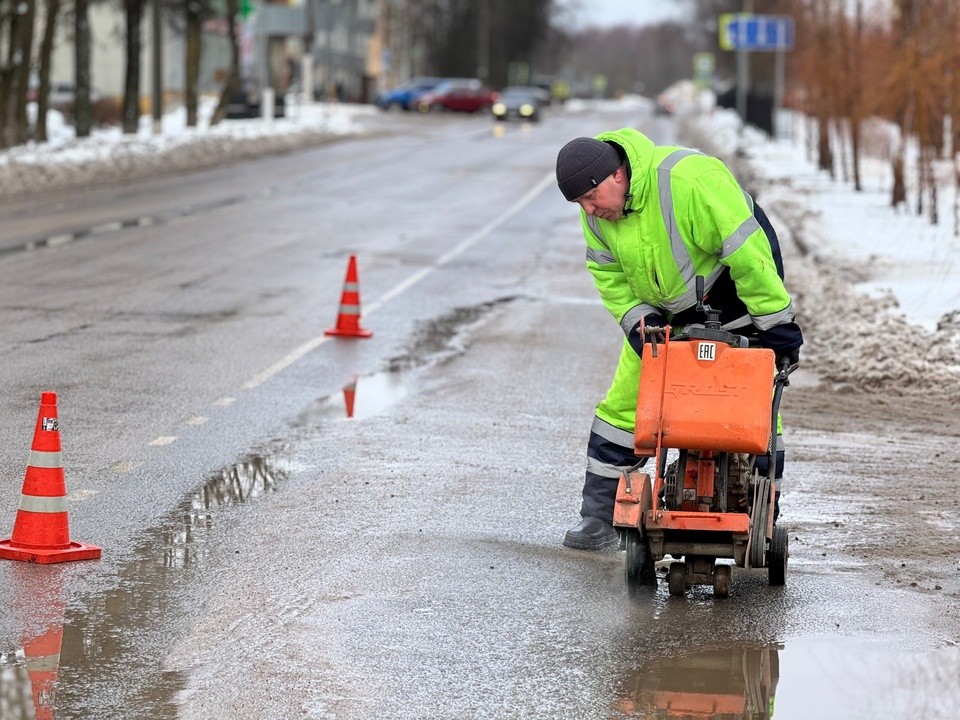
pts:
pixel 402 95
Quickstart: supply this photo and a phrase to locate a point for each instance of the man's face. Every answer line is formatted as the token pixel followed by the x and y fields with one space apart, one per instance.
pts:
pixel 607 199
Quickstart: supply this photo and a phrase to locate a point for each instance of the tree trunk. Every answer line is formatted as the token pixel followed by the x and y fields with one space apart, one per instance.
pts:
pixel 232 85
pixel 857 100
pixel 46 53
pixel 82 112
pixel 193 10
pixel 956 195
pixel 25 43
pixel 11 76
pixel 131 81
pixel 934 210
pixel 824 153
pixel 899 195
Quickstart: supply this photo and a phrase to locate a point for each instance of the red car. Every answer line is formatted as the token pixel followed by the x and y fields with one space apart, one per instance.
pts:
pixel 459 95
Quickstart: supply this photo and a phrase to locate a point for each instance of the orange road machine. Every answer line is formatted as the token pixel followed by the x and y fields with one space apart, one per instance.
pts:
pixel 705 401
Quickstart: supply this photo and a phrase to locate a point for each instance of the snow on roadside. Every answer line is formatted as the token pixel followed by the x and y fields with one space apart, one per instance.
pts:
pixel 862 324
pixel 110 156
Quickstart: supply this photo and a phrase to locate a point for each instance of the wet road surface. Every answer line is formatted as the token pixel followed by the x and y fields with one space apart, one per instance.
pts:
pixel 406 562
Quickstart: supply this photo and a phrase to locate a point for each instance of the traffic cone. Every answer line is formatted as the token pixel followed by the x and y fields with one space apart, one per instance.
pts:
pixel 41 533
pixel 43 663
pixel 349 395
pixel 348 319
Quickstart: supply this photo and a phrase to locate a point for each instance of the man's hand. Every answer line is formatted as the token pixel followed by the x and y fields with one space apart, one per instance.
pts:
pixel 634 336
pixel 788 357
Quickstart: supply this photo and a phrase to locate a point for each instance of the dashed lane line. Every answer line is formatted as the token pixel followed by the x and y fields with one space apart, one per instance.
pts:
pixel 316 342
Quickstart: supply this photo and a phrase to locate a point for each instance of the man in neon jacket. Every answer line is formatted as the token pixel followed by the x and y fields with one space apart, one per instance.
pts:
pixel 654 218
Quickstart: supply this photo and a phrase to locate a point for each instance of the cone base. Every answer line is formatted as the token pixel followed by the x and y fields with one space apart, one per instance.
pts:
pixel 76 551
pixel 348 333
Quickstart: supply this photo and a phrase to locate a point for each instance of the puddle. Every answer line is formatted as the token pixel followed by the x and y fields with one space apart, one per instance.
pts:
pixel 247 480
pixel 361 398
pixel 369 395
pixel 114 636
pixel 826 679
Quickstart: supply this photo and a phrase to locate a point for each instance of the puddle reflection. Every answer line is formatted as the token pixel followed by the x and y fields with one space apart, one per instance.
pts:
pixel 716 685
pixel 238 484
pixel 28 673
pixel 371 394
pixel 105 640
pixel 823 678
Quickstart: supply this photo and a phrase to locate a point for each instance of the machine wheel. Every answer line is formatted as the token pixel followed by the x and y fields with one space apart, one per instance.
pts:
pixel 677 579
pixel 759 517
pixel 779 552
pixel 639 572
pixel 721 581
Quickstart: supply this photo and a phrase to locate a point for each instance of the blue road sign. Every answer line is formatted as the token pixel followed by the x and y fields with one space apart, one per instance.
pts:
pixel 741 31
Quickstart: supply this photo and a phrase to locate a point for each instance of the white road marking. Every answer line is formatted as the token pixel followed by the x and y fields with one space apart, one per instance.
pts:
pixel 316 342
pixel 163 440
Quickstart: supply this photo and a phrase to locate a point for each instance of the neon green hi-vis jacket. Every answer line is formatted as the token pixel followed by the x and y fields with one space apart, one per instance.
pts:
pixel 686 216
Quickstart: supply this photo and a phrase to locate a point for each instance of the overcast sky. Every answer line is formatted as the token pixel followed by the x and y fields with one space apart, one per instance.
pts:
pixel 616 12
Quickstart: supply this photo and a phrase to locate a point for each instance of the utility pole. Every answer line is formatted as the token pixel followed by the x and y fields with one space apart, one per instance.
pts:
pixel 743 71
pixel 306 62
pixel 483 41
pixel 328 65
pixel 157 103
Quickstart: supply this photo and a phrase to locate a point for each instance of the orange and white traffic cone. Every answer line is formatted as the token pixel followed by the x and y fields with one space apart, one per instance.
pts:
pixel 41 532
pixel 348 318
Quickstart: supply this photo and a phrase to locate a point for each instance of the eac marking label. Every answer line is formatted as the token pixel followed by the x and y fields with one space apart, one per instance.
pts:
pixel 706 351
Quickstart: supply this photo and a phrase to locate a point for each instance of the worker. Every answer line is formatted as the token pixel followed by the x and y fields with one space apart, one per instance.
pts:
pixel 654 218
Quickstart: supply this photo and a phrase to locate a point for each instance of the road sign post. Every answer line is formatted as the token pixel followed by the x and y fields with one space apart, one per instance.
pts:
pixel 745 32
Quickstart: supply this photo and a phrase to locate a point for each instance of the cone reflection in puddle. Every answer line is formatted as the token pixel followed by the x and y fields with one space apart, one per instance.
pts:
pixel 28 674
pixel 366 396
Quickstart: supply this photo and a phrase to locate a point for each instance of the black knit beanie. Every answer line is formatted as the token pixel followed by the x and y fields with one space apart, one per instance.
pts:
pixel 583 163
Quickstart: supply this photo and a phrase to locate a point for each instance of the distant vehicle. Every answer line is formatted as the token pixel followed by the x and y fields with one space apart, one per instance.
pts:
pixel 457 95
pixel 61 95
pixel 521 102
pixel 244 104
pixel 402 95
pixel 664 106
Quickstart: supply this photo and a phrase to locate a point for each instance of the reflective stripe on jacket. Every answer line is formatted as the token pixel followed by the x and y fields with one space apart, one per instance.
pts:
pixel 686 216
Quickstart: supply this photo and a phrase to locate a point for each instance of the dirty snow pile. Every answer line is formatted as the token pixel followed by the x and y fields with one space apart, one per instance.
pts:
pixel 877 289
pixel 108 155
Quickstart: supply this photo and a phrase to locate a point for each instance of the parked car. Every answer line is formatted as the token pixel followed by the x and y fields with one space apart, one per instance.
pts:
pixel 244 104
pixel 521 102
pixel 60 96
pixel 458 95
pixel 402 95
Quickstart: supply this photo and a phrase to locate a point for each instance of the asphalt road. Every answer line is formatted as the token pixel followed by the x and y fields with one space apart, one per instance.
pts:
pixel 264 556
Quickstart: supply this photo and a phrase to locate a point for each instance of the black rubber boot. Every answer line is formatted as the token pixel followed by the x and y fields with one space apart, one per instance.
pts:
pixel 592 534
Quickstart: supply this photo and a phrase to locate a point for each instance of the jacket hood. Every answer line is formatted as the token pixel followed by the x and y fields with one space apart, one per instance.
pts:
pixel 638 149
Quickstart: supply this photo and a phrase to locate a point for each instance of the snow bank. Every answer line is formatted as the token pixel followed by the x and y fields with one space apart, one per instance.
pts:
pixel 856 328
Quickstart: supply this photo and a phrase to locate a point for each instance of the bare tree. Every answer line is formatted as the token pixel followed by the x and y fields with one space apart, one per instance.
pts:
pixel 232 85
pixel 131 81
pixel 193 10
pixel 46 53
pixel 15 70
pixel 82 111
